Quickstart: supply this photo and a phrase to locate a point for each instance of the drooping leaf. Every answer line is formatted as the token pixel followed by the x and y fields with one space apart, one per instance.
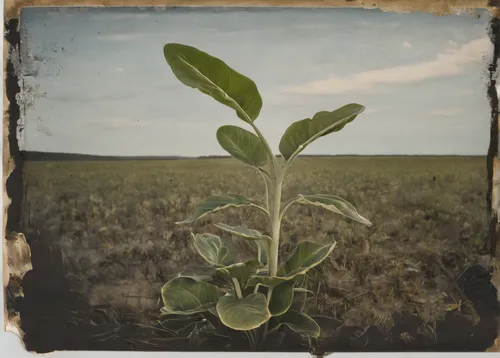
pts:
pixel 216 203
pixel 245 314
pixel 242 271
pixel 301 133
pixel 281 298
pixel 306 255
pixel 243 145
pixel 335 204
pixel 268 281
pixel 213 250
pixel 185 296
pixel 301 323
pixel 213 77
pixel 244 232
pixel 198 273
pixel 300 296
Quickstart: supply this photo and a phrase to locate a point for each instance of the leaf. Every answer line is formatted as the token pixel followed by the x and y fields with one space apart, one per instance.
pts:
pixel 213 77
pixel 244 232
pixel 243 145
pixel 242 271
pixel 333 203
pixel 301 323
pixel 281 298
pixel 307 254
pixel 301 133
pixel 216 203
pixel 212 249
pixel 198 273
pixel 245 314
pixel 267 281
pixel 185 296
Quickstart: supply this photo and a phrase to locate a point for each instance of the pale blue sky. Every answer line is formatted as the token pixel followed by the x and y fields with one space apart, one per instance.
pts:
pixel 108 89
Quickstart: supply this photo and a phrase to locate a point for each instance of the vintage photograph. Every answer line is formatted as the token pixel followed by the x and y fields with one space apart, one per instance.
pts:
pixel 254 179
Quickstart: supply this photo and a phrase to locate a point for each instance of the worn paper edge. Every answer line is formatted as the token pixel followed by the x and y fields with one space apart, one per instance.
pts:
pixel 12 10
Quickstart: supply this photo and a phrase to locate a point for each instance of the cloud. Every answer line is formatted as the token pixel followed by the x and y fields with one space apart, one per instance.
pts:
pixel 118 123
pixel 446 112
pixel 118 37
pixel 466 92
pixel 406 44
pixel 445 65
pixel 452 43
pixel 118 69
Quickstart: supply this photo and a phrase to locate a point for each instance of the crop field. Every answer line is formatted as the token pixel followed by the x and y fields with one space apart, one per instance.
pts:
pixel 115 225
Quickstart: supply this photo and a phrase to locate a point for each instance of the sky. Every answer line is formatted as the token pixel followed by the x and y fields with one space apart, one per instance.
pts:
pixel 102 85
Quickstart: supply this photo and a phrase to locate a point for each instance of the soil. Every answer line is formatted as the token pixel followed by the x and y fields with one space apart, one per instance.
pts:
pixel 54 318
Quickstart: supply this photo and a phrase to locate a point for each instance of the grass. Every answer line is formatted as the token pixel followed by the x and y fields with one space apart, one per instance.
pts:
pixel 114 223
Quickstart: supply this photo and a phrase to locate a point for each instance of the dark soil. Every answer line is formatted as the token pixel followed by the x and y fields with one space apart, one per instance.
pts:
pixel 54 318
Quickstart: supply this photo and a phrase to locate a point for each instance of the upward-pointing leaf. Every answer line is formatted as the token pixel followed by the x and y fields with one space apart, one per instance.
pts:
pixel 218 202
pixel 213 77
pixel 242 145
pixel 333 203
pixel 301 133
pixel 307 254
pixel 212 249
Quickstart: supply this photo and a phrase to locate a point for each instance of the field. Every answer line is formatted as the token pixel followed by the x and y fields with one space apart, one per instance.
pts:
pixel 115 225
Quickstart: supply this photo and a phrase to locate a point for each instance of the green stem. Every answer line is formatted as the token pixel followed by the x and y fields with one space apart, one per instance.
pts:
pixel 237 288
pixel 275 227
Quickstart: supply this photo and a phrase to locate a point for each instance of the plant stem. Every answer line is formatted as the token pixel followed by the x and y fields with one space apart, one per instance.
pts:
pixel 237 288
pixel 275 227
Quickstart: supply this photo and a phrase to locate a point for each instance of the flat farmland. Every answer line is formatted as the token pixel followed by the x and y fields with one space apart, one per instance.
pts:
pixel 114 222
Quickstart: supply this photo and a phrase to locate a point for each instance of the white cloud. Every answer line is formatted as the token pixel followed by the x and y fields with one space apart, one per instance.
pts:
pixel 445 65
pixel 446 112
pixel 118 37
pixel 406 44
pixel 452 43
pixel 118 69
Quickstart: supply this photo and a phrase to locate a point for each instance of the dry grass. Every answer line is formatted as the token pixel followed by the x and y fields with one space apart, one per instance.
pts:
pixel 114 223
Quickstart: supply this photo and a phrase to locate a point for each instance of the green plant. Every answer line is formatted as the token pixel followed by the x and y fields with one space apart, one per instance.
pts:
pixel 257 294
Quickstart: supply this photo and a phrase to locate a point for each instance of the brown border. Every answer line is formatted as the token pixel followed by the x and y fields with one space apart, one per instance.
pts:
pixel 437 7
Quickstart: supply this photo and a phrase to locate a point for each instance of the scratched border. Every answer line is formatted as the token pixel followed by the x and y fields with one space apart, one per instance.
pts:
pixel 17 257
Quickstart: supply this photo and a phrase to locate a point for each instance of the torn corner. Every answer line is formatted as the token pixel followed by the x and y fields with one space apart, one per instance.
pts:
pixel 17 261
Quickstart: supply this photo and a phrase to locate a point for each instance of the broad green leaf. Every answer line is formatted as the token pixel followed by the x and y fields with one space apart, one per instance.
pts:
pixel 301 133
pixel 335 204
pixel 198 273
pixel 185 296
pixel 281 298
pixel 243 145
pixel 213 77
pixel 216 203
pixel 307 254
pixel 300 323
pixel 242 271
pixel 213 250
pixel 245 314
pixel 243 232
